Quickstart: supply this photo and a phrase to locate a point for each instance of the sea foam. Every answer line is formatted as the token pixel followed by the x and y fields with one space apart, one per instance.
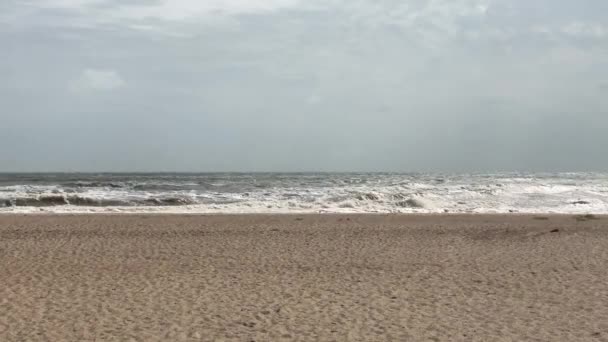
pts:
pixel 303 193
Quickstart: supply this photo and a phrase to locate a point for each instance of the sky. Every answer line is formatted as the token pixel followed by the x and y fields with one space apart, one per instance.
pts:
pixel 304 85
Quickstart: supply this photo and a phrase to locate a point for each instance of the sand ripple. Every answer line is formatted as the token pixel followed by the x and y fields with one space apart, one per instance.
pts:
pixel 308 278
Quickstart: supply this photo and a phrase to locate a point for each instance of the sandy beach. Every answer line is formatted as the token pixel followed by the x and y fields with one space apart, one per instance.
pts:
pixel 303 277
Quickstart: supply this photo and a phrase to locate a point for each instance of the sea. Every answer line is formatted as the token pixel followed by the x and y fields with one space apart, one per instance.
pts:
pixel 304 193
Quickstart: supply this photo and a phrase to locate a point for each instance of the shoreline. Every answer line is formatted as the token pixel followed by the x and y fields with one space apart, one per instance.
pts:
pixel 541 216
pixel 121 213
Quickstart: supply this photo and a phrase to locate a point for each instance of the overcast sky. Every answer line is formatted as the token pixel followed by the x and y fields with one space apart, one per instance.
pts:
pixel 303 85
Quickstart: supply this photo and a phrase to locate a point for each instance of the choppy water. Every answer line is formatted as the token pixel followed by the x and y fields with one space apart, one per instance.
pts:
pixel 305 192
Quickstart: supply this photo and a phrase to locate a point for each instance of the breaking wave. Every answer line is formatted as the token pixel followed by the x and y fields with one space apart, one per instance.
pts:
pixel 65 200
pixel 278 193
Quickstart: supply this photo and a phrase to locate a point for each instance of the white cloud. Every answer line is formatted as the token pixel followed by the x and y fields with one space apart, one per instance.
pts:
pixel 442 14
pixel 185 9
pixel 439 13
pixel 112 11
pixel 157 17
pixel 433 22
pixel 97 79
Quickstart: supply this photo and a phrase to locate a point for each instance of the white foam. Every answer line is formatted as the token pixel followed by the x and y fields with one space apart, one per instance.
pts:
pixel 575 193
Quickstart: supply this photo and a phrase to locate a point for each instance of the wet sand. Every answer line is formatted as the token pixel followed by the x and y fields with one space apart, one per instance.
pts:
pixel 303 277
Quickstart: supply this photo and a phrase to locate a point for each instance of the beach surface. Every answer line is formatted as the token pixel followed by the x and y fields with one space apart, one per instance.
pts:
pixel 303 277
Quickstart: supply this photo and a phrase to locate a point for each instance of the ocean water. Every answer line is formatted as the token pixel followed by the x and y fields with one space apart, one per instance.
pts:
pixel 305 193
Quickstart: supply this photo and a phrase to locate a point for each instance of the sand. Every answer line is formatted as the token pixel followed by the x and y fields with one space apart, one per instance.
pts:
pixel 307 278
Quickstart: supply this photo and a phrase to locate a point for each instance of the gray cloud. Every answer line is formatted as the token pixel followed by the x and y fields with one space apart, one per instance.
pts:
pixel 465 85
pixel 94 79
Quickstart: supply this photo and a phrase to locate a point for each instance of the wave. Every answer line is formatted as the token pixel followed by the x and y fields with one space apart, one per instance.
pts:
pixel 389 193
pixel 72 200
pixel 112 185
pixel 412 203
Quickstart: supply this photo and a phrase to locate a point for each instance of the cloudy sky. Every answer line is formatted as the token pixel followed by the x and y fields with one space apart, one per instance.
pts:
pixel 303 85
